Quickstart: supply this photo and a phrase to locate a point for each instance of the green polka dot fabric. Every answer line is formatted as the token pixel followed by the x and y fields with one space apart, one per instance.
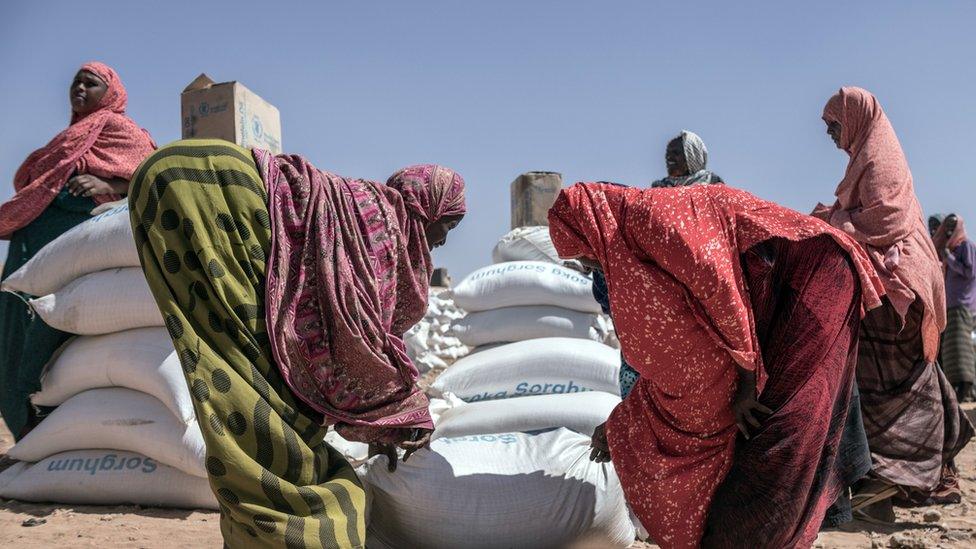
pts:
pixel 201 225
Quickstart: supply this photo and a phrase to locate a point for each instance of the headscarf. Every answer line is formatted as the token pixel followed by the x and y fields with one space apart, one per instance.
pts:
pixel 682 310
pixel 877 206
pixel 348 274
pixel 949 242
pixel 105 143
pixel 429 193
pixel 696 158
pixel 695 235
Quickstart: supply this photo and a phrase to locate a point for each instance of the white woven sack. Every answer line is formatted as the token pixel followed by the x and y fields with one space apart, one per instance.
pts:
pixel 101 303
pixel 501 490
pixel 525 283
pixel 510 324
pixel 525 244
pixel 142 359
pixel 105 477
pixel 553 365
pixel 102 242
pixel 116 419
pixel 578 412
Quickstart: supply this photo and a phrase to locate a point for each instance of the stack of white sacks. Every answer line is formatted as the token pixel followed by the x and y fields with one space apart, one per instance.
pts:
pixel 506 471
pixel 429 344
pixel 124 431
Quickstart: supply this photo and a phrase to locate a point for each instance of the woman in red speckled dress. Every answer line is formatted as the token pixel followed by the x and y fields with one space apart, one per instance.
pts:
pixel 740 316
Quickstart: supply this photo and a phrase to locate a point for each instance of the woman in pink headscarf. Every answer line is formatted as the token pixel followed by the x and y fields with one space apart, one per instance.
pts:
pixel 913 422
pixel 89 163
pixel 287 290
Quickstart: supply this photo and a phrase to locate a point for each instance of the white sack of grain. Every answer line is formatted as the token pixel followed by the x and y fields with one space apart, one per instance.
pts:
pixel 525 283
pixel 116 419
pixel 142 359
pixel 499 490
pixel 101 303
pixel 525 244
pixel 510 324
pixel 578 412
pixel 553 365
pixel 105 477
pixel 100 243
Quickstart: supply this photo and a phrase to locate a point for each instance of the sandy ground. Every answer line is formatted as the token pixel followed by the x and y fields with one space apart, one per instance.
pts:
pixel 64 526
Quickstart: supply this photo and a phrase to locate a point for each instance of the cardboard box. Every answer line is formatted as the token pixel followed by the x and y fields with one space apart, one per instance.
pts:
pixel 229 111
pixel 533 193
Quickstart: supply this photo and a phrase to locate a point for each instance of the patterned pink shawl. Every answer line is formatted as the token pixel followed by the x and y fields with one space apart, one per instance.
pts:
pixel 876 205
pixel 105 143
pixel 348 273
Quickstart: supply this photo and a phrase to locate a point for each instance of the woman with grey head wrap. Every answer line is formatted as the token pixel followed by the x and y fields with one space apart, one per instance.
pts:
pixel 686 158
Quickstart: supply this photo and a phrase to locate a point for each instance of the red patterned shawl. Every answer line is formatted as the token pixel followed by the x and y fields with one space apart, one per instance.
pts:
pixel 684 318
pixel 347 274
pixel 105 143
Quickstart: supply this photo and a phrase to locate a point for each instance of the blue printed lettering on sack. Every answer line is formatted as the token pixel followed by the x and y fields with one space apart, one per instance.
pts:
pixel 506 268
pixel 571 275
pixel 526 388
pixel 101 464
pixel 505 438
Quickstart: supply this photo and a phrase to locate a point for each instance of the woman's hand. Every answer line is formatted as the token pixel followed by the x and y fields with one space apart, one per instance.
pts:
pixel 599 444
pixel 746 404
pixel 418 439
pixel 90 185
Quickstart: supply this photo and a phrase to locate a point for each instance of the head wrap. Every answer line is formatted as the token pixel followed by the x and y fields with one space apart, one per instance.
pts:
pixel 696 158
pixel 696 155
pixel 943 240
pixel 105 143
pixel 348 274
pixel 877 206
pixel 430 192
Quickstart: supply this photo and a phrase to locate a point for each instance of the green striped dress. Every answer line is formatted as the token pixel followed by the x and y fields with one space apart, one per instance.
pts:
pixel 200 220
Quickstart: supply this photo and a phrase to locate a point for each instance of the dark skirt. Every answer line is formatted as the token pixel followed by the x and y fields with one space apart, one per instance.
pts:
pixel 956 354
pixel 912 418
pixel 807 307
pixel 26 342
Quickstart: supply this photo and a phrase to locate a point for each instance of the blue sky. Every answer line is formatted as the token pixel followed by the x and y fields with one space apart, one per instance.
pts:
pixel 493 89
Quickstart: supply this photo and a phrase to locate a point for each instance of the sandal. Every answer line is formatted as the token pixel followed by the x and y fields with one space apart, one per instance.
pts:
pixel 870 493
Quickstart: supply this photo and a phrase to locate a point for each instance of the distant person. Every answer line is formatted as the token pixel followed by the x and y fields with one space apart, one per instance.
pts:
pixel 287 291
pixel 913 421
pixel 88 163
pixel 958 254
pixel 686 159
pixel 741 318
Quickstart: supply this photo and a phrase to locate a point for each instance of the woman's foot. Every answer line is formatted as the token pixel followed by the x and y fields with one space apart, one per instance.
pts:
pixel 872 502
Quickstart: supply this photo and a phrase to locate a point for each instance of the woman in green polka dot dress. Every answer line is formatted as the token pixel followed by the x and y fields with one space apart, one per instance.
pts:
pixel 286 291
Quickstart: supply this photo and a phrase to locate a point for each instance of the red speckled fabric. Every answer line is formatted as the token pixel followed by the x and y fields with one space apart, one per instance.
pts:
pixel 105 143
pixel 682 312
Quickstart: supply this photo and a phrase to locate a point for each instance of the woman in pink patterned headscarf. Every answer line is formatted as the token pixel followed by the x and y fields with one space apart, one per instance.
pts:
pixel 287 291
pixel 88 163
pixel 913 422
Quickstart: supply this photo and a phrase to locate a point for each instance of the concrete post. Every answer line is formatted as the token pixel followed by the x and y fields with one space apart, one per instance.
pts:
pixel 533 193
